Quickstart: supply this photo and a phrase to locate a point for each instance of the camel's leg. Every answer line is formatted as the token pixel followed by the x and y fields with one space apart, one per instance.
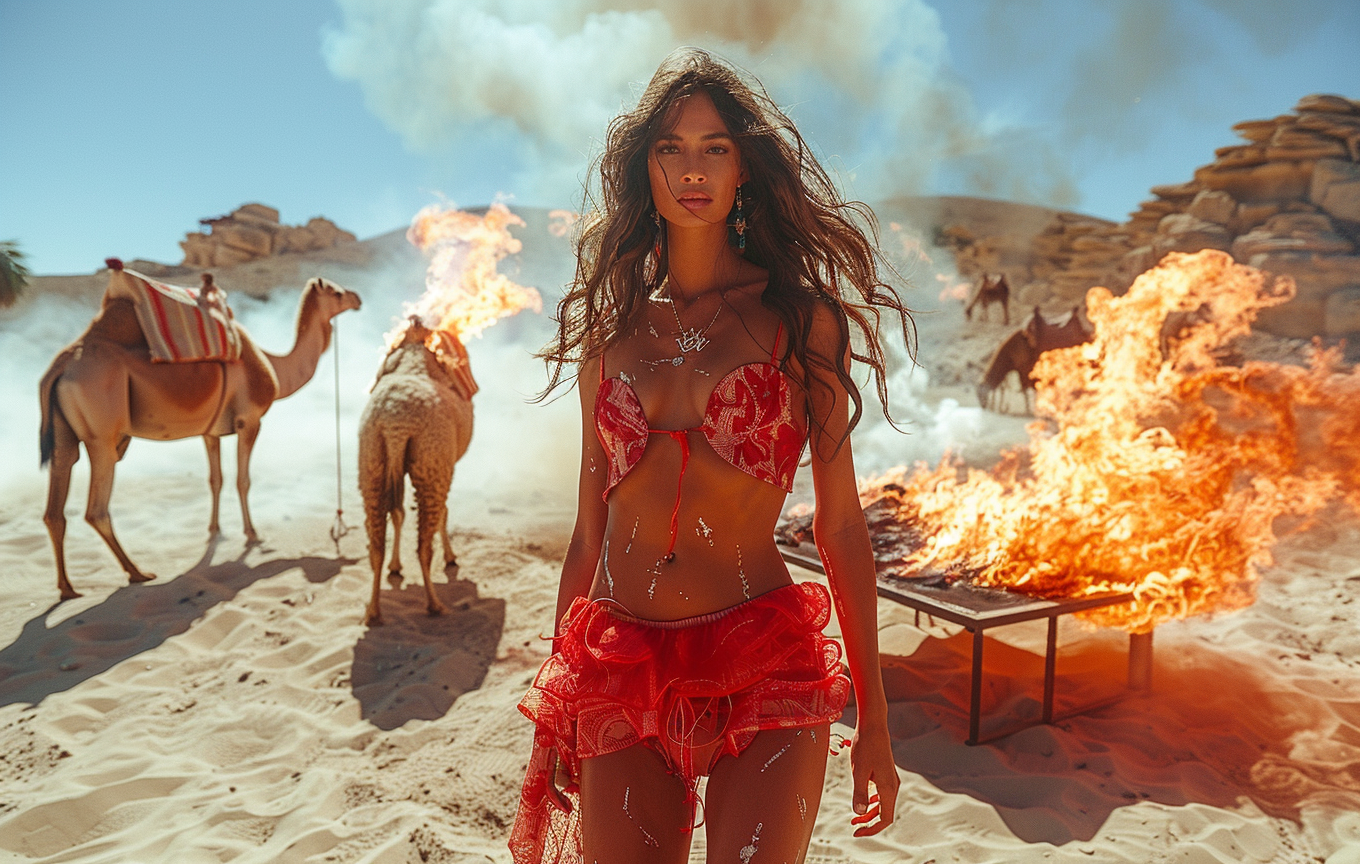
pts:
pixel 375 522
pixel 65 455
pixel 398 516
pixel 103 458
pixel 214 445
pixel 431 474
pixel 1006 311
pixel 450 560
pixel 245 441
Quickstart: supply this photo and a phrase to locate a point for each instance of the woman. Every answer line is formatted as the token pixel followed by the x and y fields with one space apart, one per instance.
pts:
pixel 710 322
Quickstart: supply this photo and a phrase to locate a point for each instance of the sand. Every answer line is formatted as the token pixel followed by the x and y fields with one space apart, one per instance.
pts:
pixel 237 709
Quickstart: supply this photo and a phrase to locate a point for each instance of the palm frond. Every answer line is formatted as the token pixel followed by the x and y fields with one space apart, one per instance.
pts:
pixel 14 274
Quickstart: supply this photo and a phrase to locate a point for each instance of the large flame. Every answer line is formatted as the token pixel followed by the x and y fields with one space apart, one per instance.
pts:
pixel 1159 474
pixel 463 292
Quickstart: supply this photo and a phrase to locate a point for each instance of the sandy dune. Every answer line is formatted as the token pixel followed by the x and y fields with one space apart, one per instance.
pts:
pixel 236 708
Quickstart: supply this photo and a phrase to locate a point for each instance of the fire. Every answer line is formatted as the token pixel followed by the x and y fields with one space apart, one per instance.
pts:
pixel 951 289
pixel 463 292
pixel 560 222
pixel 1159 475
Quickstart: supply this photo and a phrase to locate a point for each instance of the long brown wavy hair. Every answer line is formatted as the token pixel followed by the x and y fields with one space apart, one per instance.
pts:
pixel 816 246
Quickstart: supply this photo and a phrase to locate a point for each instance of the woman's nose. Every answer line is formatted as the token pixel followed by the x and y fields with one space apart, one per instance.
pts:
pixel 693 176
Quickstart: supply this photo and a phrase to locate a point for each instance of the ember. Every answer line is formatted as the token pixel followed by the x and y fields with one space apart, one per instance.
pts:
pixel 463 292
pixel 1157 471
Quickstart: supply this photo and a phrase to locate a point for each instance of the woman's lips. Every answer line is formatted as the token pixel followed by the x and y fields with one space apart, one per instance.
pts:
pixel 694 201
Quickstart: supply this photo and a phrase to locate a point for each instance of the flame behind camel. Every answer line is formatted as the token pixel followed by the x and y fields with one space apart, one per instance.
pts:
pixel 418 421
pixel 1156 473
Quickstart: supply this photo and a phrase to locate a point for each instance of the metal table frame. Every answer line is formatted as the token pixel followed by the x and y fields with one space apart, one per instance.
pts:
pixel 995 608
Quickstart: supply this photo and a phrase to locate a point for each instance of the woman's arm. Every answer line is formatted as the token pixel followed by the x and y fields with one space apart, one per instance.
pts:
pixel 842 538
pixel 583 554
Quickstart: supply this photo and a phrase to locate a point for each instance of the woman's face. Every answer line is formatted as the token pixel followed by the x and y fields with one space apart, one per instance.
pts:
pixel 694 166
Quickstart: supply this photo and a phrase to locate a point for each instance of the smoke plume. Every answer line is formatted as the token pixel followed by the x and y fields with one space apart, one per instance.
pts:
pixel 867 81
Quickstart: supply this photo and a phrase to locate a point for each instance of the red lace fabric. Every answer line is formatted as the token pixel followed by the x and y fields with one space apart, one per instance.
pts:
pixel 617 681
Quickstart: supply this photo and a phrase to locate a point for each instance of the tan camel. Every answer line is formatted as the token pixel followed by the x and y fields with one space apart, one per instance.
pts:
pixel 1020 352
pixel 103 390
pixel 419 422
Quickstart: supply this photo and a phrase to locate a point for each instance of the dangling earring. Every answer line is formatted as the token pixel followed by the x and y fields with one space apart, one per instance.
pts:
pixel 739 224
pixel 656 220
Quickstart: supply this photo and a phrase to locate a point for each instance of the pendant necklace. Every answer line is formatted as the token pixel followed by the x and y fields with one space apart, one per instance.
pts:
pixel 692 339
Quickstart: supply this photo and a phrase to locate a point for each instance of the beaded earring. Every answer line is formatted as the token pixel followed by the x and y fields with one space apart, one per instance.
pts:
pixel 739 223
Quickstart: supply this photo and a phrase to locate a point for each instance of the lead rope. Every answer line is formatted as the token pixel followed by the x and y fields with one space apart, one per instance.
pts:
pixel 338 527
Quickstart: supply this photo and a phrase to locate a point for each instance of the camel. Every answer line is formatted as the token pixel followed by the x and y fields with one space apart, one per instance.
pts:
pixel 1020 351
pixel 991 291
pixel 418 422
pixel 103 390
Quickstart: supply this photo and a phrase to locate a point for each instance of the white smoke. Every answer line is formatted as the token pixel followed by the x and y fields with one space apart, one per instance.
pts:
pixel 866 80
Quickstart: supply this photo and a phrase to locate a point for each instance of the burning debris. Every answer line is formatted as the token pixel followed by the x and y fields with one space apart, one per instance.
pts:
pixel 464 294
pixel 1158 470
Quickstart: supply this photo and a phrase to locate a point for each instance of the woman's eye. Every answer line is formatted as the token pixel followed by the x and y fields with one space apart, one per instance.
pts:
pixel 718 149
pixel 667 148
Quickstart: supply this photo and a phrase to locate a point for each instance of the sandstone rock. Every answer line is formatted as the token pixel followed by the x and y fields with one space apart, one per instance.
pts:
pixel 1328 102
pixel 198 250
pixel 226 256
pixel 1248 216
pixel 1217 207
pixel 248 238
pixel 1335 188
pixel 1273 181
pixel 1300 318
pixel 1182 232
pixel 256 213
pixel 1255 131
pixel 1177 191
pixel 253 231
pixel 1341 312
pixel 1315 275
pixel 1240 154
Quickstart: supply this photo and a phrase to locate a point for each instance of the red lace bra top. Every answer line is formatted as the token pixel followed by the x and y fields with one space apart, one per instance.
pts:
pixel 748 421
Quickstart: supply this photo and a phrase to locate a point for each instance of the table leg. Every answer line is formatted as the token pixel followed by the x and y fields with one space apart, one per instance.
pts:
pixel 1050 664
pixel 975 703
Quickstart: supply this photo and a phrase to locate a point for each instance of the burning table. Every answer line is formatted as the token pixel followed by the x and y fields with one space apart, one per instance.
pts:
pixel 1158 468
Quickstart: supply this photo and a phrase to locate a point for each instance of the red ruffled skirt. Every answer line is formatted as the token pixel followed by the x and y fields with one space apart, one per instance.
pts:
pixel 709 682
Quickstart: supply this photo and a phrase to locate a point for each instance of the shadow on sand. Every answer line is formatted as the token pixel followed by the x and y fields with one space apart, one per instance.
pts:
pixel 133 619
pixel 1213 730
pixel 414 666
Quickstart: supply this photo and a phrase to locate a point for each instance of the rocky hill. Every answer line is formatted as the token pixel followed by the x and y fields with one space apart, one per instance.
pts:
pixel 1287 202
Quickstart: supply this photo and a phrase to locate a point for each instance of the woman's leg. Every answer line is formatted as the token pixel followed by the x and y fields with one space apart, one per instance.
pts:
pixel 760 805
pixel 632 809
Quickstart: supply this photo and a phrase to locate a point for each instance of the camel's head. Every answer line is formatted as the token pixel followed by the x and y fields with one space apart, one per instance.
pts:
pixel 331 299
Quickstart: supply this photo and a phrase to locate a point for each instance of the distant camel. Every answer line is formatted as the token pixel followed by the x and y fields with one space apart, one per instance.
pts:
pixel 419 422
pixel 991 291
pixel 1021 350
pixel 104 390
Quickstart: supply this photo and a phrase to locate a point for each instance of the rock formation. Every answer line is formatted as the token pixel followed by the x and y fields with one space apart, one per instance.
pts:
pixel 253 231
pixel 1287 202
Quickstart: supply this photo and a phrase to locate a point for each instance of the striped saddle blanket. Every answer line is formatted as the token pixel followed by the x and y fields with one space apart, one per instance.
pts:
pixel 181 325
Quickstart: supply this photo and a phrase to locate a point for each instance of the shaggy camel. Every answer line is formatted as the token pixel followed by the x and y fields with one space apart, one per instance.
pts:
pixel 103 390
pixel 419 422
pixel 1021 350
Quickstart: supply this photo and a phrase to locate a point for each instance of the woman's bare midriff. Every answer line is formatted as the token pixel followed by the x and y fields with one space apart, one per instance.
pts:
pixel 724 551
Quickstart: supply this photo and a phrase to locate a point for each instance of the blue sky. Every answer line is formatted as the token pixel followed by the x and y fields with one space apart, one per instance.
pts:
pixel 125 122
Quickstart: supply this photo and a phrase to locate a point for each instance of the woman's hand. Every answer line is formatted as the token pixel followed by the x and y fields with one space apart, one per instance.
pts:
pixel 560 784
pixel 871 760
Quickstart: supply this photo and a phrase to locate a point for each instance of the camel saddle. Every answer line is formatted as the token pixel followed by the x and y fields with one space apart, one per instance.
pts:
pixel 183 325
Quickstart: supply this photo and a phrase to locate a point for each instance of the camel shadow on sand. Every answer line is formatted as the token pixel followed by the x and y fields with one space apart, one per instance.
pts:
pixel 415 666
pixel 1213 730
pixel 133 619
